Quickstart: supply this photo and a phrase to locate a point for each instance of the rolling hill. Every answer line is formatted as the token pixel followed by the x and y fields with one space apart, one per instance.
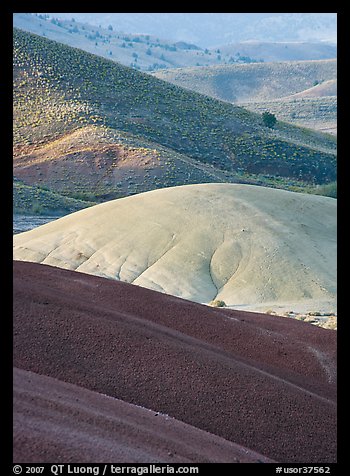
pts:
pixel 93 129
pixel 212 29
pixel 319 90
pixel 203 242
pixel 147 51
pixel 254 82
pixel 276 51
pixel 143 52
pixel 89 352
pixel 300 92
pixel 115 356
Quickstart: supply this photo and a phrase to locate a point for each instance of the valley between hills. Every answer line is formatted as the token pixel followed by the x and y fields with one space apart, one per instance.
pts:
pixel 180 305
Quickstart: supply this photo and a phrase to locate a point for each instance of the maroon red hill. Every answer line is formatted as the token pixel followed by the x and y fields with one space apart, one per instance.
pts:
pixel 250 381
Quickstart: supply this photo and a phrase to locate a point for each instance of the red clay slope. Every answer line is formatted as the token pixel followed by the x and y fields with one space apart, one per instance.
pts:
pixel 70 424
pixel 262 382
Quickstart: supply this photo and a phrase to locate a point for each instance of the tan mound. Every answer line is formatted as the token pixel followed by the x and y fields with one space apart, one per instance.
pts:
pixel 266 383
pixel 327 88
pixel 242 244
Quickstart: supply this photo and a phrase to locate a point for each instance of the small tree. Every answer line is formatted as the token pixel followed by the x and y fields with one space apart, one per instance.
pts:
pixel 269 119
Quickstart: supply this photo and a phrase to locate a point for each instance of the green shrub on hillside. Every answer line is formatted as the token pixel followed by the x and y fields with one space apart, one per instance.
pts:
pixel 269 119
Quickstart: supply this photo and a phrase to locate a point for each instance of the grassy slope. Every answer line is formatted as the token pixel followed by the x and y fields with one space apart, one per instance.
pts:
pixel 36 200
pixel 98 163
pixel 59 90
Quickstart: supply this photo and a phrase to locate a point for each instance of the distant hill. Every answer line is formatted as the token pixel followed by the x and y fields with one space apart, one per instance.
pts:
pixel 269 51
pixel 253 82
pixel 148 52
pixel 143 52
pixel 209 30
pixel 301 92
pixel 93 129
pixel 324 89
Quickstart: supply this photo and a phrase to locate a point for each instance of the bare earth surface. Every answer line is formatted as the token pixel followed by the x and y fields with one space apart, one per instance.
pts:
pixel 264 383
pixel 73 424
pixel 246 245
